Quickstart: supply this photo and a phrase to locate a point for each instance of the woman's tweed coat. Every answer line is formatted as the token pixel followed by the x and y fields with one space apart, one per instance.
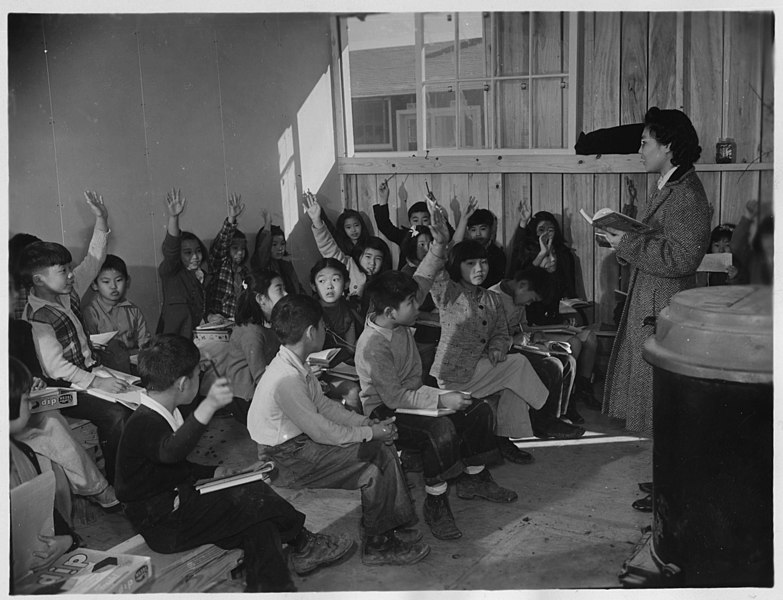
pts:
pixel 662 263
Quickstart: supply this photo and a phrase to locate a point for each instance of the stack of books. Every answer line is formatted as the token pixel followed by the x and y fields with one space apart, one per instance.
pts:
pixel 213 332
pixel 322 358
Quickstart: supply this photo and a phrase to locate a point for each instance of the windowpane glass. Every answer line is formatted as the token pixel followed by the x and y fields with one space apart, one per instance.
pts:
pixel 513 105
pixel 382 59
pixel 548 99
pixel 511 31
pixel 441 116
pixel 547 49
pixel 439 59
pixel 472 44
pixel 473 100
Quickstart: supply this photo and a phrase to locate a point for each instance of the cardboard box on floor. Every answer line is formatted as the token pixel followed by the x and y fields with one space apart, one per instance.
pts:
pixel 85 571
pixel 194 570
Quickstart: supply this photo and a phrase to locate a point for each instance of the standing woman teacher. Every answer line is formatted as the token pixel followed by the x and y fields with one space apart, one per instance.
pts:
pixel 663 261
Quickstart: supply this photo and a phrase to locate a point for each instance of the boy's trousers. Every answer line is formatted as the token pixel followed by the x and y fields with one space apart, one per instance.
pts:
pixel 449 443
pixel 372 467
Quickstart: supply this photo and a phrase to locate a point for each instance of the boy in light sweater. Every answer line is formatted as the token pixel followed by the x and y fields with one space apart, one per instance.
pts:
pixel 317 443
pixel 453 446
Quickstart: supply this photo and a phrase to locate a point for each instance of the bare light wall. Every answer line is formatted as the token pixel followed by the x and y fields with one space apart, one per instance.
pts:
pixel 133 105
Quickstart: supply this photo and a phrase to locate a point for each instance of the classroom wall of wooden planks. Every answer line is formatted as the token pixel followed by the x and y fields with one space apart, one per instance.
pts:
pixel 716 67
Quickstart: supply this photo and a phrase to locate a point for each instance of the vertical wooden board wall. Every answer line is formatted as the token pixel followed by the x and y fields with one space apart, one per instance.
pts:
pixel 97 102
pixel 495 204
pixel 607 194
pixel 704 74
pixel 662 75
pixel 711 183
pixel 603 83
pixel 767 118
pixel 33 195
pixel 633 68
pixel 578 193
pixel 517 193
pixel 366 190
pixel 743 63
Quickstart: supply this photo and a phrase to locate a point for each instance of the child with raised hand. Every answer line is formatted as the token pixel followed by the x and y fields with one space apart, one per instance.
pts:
pixel 472 354
pixel 317 443
pixel 181 273
pixel 156 482
pixel 367 261
pixel 227 257
pixel 418 215
pixel 270 253
pixel 109 310
pixel 253 343
pixel 61 343
pixel 480 224
pixel 455 446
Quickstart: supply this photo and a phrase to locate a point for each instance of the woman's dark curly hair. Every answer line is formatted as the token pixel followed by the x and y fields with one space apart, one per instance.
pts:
pixel 674 127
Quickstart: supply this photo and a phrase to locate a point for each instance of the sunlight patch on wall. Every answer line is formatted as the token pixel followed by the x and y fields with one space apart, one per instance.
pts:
pixel 315 128
pixel 288 190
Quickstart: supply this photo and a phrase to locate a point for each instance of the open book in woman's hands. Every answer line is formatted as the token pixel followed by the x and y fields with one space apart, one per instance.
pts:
pixel 606 218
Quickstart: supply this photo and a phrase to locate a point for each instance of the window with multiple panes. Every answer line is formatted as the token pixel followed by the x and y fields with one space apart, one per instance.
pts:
pixel 459 81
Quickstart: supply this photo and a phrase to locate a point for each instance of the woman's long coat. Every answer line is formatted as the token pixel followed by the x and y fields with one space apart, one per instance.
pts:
pixel 662 263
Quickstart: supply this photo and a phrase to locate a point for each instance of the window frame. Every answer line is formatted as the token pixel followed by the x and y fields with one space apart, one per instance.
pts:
pixel 341 66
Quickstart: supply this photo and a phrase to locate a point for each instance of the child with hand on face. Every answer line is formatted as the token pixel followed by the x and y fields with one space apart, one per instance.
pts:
pixel 253 343
pixel 270 253
pixel 227 258
pixel 182 274
pixel 109 310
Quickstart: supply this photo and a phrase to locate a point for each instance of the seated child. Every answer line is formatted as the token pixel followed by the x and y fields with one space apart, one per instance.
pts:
pixel 418 215
pixel 15 246
pixel 155 481
pixel 227 258
pixel 61 344
pixel 110 310
pixel 539 242
pixel 253 343
pixel 479 224
pixel 472 354
pixel 558 369
pixel 317 443
pixel 270 253
pixel 48 434
pixel 25 466
pixel 387 361
pixel 328 278
pixel 181 274
pixel 367 261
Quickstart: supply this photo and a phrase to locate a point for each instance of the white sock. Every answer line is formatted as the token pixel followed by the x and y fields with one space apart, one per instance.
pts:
pixel 437 489
pixel 468 470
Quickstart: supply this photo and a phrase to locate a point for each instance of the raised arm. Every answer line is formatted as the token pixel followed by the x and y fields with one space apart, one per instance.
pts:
pixel 435 259
pixel 323 239
pixel 222 242
pixel 86 271
pixel 470 208
pixel 172 262
pixel 382 220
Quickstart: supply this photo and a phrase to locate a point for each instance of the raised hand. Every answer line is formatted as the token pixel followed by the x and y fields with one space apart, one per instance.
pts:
pixel 234 207
pixel 312 208
pixel 95 202
pixel 175 203
pixel 471 207
pixel 265 218
pixel 383 193
pixel 524 213
pixel 438 228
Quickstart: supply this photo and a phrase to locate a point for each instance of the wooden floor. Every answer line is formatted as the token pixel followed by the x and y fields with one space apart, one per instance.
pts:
pixel 572 526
